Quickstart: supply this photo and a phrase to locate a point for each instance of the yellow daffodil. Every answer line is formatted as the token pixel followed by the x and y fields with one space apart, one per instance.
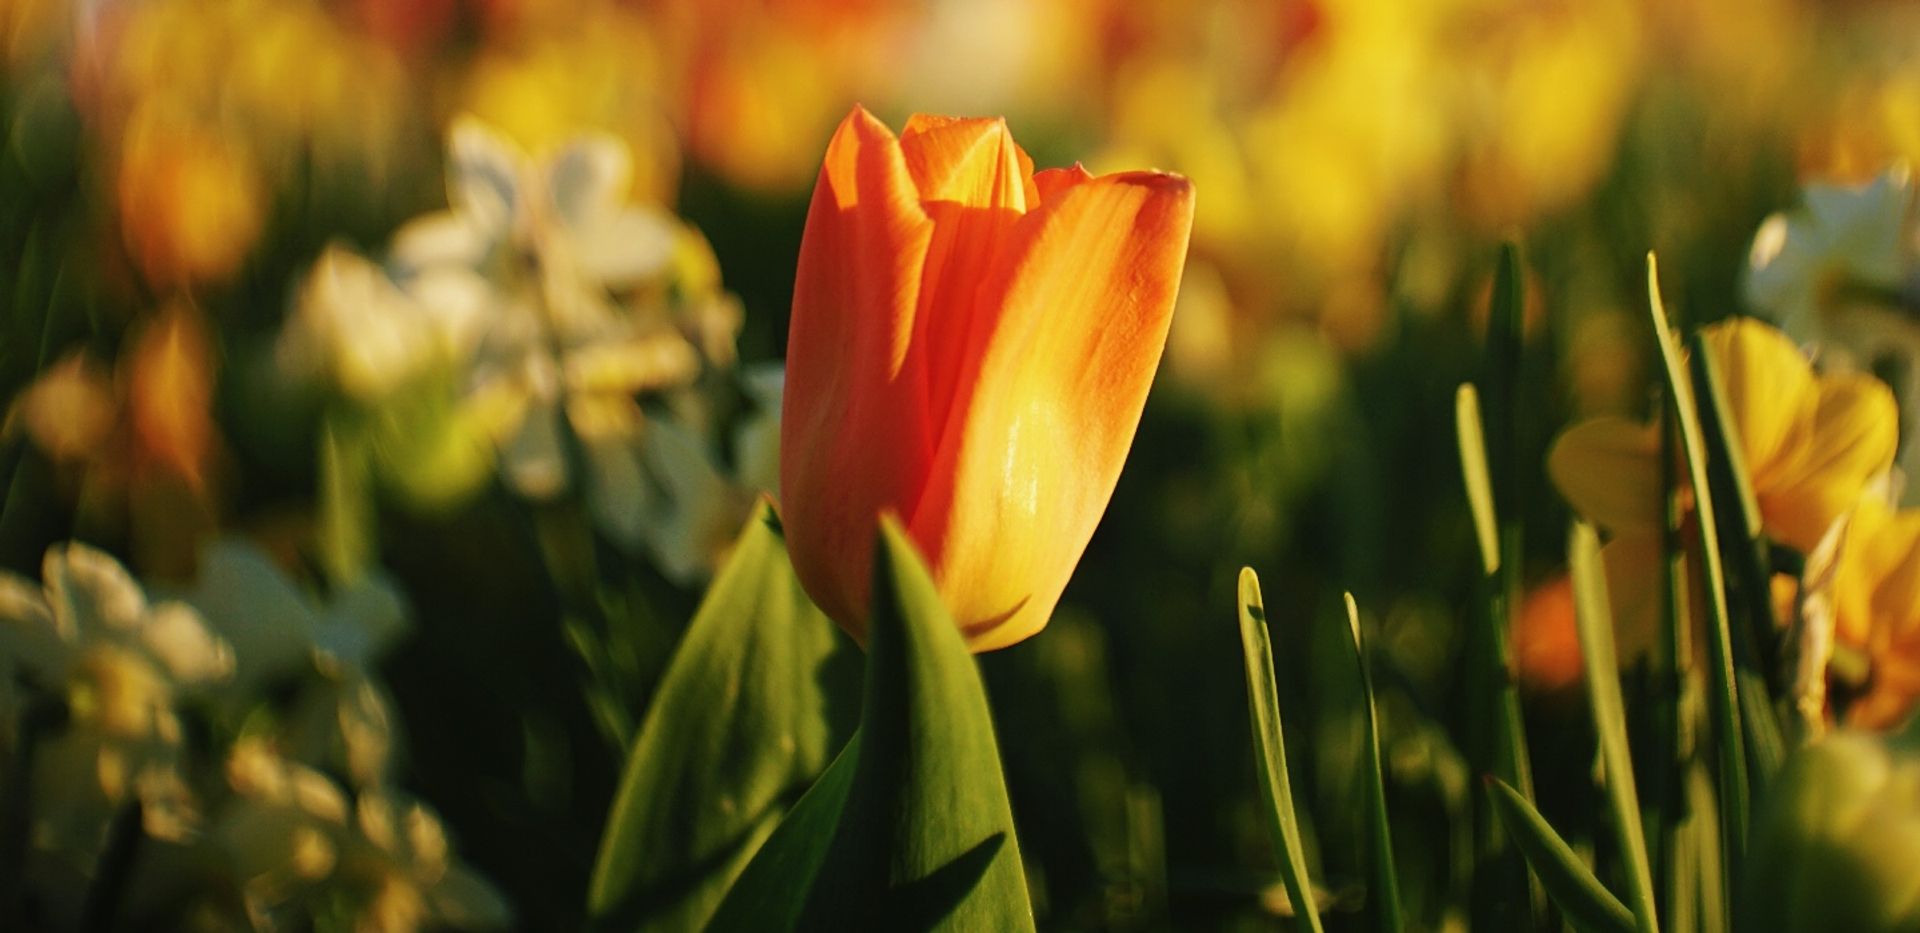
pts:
pixel 1877 610
pixel 1812 444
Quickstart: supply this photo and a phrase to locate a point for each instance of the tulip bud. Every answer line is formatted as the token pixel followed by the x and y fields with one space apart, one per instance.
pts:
pixel 970 348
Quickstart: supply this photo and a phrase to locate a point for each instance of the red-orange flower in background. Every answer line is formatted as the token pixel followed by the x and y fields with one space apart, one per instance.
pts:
pixel 970 348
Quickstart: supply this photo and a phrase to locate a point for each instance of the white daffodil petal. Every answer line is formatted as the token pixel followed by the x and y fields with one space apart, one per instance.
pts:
pixel 250 603
pixel 483 177
pixel 588 179
pixel 91 589
pixel 176 637
pixel 442 240
pixel 624 248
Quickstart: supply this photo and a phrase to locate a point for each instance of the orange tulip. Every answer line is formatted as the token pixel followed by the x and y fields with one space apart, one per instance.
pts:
pixel 970 348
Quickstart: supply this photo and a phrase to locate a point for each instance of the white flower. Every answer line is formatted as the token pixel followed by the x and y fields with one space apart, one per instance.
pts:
pixel 89 632
pixel 298 844
pixel 88 636
pixel 341 716
pixel 1839 275
pixel 354 328
pixel 1843 235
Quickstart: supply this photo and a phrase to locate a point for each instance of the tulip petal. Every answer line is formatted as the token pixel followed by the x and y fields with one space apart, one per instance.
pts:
pixel 976 183
pixel 971 161
pixel 1055 182
pixel 1854 431
pixel 1608 469
pixel 855 439
pixel 1051 399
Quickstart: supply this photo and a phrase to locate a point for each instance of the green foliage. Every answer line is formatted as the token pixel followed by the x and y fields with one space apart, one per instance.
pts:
pixel 1595 623
pixel 1729 728
pixel 736 732
pixel 1270 754
pixel 1586 903
pixel 922 835
pixel 1386 879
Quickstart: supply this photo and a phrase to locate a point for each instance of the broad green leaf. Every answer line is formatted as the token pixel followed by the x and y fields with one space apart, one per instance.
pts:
pixel 1725 702
pixel 924 839
pixel 1385 895
pixel 739 727
pixel 1263 702
pixel 1587 904
pixel 1594 620
pixel 772 890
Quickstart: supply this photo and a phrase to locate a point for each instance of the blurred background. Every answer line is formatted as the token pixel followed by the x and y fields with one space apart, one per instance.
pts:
pixel 269 275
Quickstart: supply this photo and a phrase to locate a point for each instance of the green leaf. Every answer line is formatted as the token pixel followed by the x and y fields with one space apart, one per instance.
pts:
pixel 1386 881
pixel 772 890
pixel 1725 701
pixel 1263 702
pixel 739 727
pixel 1587 904
pixel 1594 620
pixel 1513 763
pixel 345 529
pixel 1739 513
pixel 925 838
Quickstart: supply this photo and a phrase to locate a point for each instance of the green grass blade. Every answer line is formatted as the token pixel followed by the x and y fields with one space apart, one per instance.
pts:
pixel 1512 764
pixel 1473 471
pixel 1587 904
pixel 1729 736
pixel 1746 553
pixel 1594 620
pixel 1386 881
pixel 1263 702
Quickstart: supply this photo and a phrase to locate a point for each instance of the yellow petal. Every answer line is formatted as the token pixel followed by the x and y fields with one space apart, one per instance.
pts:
pixel 1051 399
pixel 1851 441
pixel 1608 469
pixel 1769 391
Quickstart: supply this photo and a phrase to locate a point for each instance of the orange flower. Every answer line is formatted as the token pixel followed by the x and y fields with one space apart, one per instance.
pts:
pixel 971 346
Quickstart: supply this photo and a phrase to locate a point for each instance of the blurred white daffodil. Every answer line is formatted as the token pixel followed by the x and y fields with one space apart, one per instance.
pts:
pixel 1841 275
pixel 297 843
pixel 1844 238
pixel 88 637
pixel 585 306
pixel 341 715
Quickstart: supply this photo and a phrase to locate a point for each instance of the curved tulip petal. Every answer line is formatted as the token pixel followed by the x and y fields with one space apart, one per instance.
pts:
pixel 976 184
pixel 854 440
pixel 1609 471
pixel 1854 432
pixel 1051 399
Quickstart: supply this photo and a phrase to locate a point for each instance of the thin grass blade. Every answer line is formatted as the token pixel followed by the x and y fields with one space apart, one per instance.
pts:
pixel 1263 702
pixel 1594 621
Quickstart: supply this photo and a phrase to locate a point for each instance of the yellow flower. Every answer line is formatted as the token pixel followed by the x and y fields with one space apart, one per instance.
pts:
pixel 1812 444
pixel 1877 610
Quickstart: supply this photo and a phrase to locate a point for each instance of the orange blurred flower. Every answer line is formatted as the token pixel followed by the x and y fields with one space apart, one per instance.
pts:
pixel 971 346
pixel 139 442
pixel 191 200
